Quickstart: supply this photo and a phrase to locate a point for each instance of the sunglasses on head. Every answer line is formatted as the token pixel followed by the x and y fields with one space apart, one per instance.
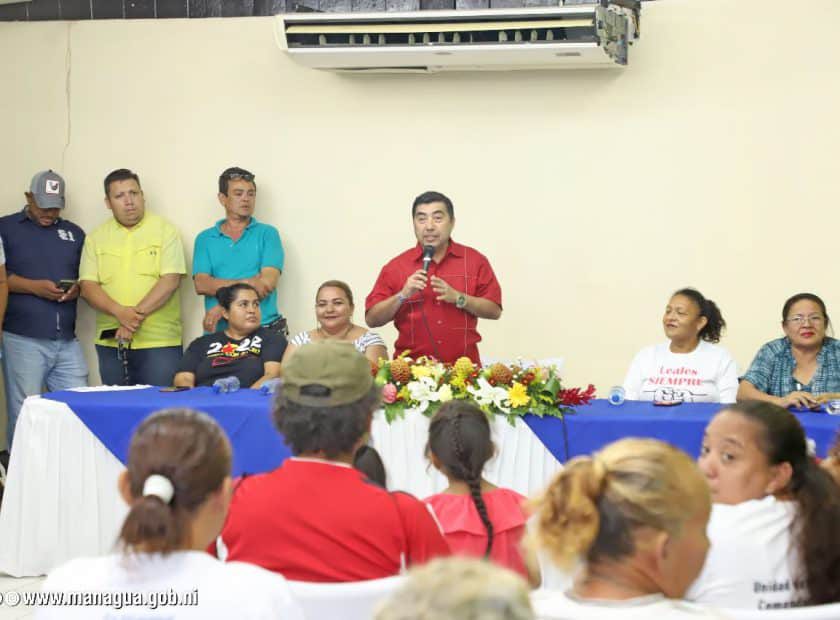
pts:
pixel 235 176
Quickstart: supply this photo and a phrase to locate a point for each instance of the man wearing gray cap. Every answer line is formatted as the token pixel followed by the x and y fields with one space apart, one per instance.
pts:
pixel 315 518
pixel 42 258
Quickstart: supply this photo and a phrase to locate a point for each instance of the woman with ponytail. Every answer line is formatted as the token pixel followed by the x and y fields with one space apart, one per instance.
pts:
pixel 478 518
pixel 178 488
pixel 690 366
pixel 633 519
pixel 775 526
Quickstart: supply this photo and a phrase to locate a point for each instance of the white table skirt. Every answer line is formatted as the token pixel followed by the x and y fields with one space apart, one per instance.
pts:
pixel 61 499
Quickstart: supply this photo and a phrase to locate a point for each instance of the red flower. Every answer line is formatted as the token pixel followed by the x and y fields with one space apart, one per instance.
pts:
pixel 573 396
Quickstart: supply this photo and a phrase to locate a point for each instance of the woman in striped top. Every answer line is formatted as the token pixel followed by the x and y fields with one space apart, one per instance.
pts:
pixel 334 312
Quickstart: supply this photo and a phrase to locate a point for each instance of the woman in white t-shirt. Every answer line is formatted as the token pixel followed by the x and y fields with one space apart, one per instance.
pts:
pixel 775 524
pixel 690 366
pixel 634 515
pixel 178 487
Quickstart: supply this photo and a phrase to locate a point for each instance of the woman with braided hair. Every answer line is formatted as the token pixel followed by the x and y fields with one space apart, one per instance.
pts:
pixel 633 518
pixel 478 518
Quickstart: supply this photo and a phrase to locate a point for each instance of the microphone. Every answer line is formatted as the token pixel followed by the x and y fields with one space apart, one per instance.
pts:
pixel 428 252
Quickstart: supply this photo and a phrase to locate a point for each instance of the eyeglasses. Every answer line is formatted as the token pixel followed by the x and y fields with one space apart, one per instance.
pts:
pixel 798 319
pixel 235 176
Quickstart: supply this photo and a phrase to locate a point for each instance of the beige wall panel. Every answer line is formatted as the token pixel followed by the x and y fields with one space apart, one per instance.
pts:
pixel 711 161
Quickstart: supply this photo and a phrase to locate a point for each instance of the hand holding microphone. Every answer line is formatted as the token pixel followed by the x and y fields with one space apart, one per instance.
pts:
pixel 418 280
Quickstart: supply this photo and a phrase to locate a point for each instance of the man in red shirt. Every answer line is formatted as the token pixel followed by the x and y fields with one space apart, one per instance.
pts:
pixel 435 312
pixel 315 518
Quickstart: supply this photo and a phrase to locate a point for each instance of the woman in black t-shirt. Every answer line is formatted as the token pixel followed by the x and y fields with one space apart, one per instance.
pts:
pixel 244 350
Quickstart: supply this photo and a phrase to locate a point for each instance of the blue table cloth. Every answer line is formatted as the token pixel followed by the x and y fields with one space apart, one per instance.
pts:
pixel 257 446
pixel 244 415
pixel 597 424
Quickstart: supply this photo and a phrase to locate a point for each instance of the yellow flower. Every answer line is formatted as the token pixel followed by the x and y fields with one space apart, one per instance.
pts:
pixel 445 394
pixel 458 381
pixel 418 372
pixel 403 393
pixel 518 395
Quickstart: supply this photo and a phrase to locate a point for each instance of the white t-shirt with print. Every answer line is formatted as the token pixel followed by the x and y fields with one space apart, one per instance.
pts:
pixel 221 590
pixel 563 606
pixel 706 375
pixel 751 563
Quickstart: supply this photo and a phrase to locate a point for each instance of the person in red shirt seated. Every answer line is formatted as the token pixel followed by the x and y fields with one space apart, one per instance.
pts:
pixel 435 310
pixel 478 518
pixel 316 518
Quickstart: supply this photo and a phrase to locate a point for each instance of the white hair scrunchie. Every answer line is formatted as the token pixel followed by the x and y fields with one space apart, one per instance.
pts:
pixel 160 487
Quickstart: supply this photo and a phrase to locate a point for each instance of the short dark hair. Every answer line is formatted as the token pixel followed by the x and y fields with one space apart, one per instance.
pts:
pixel 715 324
pixel 232 174
pixel 805 296
pixel 331 430
pixel 368 461
pixel 226 295
pixel 431 196
pixel 120 174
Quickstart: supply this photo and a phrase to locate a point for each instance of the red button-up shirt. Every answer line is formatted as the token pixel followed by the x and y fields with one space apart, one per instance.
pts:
pixel 447 332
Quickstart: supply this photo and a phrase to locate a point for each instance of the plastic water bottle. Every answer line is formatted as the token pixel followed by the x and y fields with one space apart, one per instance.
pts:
pixel 832 407
pixel 226 385
pixel 616 396
pixel 270 386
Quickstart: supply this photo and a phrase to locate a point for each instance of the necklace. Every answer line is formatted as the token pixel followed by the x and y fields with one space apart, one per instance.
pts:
pixel 343 336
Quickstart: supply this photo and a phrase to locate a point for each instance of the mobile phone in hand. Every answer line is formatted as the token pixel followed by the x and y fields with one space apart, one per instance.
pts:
pixel 65 285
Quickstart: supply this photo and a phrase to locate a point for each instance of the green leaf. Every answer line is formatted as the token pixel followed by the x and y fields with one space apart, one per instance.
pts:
pixel 394 411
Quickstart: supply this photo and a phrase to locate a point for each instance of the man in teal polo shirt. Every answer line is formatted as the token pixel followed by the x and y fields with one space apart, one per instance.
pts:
pixel 238 249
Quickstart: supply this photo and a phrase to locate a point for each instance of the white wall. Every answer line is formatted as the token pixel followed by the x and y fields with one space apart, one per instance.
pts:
pixel 711 161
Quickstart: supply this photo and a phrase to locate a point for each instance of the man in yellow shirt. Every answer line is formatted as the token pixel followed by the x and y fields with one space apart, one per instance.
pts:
pixel 130 272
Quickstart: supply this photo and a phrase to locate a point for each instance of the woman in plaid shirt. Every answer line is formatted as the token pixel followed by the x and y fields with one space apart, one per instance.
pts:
pixel 795 370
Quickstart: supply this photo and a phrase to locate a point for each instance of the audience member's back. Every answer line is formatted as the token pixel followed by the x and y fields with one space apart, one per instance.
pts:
pixel 316 518
pixel 634 517
pixel 178 486
pixel 478 518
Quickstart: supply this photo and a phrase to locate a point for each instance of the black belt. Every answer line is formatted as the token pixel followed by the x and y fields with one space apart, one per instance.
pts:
pixel 279 326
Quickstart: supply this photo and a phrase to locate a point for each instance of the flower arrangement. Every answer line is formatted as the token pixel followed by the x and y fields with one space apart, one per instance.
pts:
pixel 424 384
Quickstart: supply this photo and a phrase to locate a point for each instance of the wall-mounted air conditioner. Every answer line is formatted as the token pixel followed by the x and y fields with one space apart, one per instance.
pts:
pixel 497 39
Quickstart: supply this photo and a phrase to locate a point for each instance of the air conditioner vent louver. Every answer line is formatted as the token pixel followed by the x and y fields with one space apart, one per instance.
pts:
pixel 431 33
pixel 581 36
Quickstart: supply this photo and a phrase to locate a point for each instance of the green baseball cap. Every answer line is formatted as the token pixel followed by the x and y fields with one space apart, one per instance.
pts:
pixel 326 373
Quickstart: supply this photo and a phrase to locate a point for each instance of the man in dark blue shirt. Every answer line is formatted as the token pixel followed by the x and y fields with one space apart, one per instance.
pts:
pixel 42 260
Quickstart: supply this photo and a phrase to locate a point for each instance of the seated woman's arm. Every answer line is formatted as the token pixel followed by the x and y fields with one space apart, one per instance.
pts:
pixel 635 376
pixel 374 347
pixel 184 379
pixel 185 375
pixel 271 371
pixel 756 383
pixel 747 391
pixel 727 382
pixel 376 351
pixel 290 349
pixel 274 351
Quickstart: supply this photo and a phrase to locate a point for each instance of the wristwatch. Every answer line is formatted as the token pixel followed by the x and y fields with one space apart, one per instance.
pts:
pixel 401 298
pixel 461 301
